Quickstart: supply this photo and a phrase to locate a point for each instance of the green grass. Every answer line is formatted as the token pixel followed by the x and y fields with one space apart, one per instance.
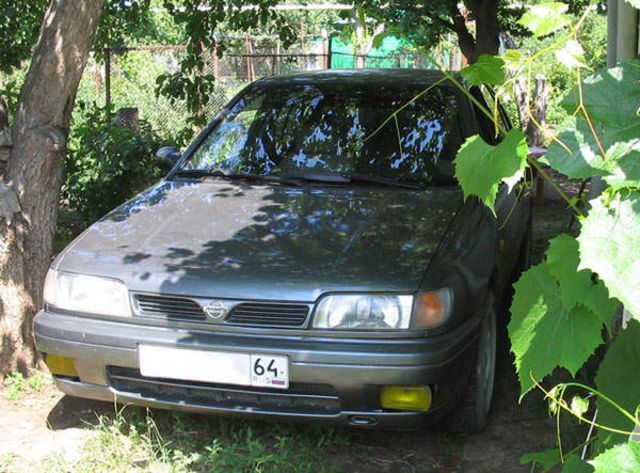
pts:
pixel 141 440
pixel 17 385
pixel 8 462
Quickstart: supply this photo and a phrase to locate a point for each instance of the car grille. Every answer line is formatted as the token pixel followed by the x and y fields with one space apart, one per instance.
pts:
pixel 268 314
pixel 299 397
pixel 169 307
pixel 250 314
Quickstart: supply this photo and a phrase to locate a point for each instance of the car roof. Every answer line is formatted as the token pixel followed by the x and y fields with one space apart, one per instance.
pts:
pixel 358 77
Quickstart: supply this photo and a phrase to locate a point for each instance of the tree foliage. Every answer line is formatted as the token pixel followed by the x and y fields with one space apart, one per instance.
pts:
pixel 424 22
pixel 202 22
pixel 19 26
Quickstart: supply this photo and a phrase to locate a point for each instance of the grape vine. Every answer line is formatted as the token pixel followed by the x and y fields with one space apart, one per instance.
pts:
pixel 564 307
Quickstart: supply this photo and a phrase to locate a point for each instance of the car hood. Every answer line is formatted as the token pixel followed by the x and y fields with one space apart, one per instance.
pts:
pixel 215 238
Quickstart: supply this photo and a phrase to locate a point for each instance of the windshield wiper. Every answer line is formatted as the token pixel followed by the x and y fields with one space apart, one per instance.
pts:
pixel 237 175
pixel 315 176
pixel 295 178
pixel 351 178
pixel 355 177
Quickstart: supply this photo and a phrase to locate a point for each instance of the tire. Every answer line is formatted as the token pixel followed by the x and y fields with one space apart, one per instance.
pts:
pixel 472 414
pixel 524 258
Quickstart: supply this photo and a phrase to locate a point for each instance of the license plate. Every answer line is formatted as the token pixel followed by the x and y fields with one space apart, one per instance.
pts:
pixel 244 369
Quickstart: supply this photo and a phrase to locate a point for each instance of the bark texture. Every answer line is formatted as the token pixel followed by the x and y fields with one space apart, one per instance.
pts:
pixel 39 136
pixel 487 28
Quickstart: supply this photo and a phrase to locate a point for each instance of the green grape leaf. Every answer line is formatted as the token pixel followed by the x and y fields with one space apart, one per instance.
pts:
pixel 547 459
pixel 609 240
pixel 514 59
pixel 577 286
pixel 540 320
pixel 574 334
pixel 618 379
pixel 487 70
pixel 528 307
pixel 611 96
pixel 545 18
pixel 626 173
pixel 571 55
pixel 583 160
pixel 597 299
pixel 480 167
pixel 574 464
pixel 562 262
pixel 624 458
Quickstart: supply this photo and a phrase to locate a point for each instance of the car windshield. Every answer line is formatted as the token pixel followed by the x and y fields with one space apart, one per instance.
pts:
pixel 397 133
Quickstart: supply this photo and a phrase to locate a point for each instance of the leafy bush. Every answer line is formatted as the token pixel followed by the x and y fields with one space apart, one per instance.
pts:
pixel 106 163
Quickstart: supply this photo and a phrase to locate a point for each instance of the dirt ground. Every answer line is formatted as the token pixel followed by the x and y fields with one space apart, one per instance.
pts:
pixel 46 422
pixel 40 423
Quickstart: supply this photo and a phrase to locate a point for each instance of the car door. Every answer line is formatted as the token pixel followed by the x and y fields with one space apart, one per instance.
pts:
pixel 512 207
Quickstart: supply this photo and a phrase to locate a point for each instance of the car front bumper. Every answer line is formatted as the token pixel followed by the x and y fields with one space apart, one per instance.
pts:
pixel 333 380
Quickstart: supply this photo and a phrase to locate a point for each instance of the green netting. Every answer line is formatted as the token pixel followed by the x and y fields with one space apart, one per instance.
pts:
pixel 393 52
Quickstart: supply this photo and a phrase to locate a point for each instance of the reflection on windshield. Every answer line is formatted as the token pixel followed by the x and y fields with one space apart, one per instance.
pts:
pixel 378 131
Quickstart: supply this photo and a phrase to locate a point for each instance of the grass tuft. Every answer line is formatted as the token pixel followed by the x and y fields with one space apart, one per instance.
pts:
pixel 17 385
pixel 141 440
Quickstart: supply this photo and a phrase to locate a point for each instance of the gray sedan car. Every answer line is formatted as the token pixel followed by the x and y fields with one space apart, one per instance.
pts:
pixel 309 257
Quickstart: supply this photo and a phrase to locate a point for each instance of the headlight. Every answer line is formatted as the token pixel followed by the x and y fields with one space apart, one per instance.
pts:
pixel 364 312
pixel 89 294
pixel 433 308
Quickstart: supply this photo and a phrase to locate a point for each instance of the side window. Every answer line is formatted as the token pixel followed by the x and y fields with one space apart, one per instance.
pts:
pixel 486 97
pixel 503 118
pixel 487 128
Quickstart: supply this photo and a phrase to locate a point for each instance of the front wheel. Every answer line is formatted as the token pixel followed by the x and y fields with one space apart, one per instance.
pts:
pixel 472 414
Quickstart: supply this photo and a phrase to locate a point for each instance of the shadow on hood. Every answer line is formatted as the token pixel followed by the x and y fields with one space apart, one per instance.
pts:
pixel 237 240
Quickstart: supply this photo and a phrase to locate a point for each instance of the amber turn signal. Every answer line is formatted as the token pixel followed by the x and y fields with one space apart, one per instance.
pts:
pixel 433 308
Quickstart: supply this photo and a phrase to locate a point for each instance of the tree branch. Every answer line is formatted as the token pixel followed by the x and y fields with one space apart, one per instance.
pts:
pixel 465 39
pixel 437 19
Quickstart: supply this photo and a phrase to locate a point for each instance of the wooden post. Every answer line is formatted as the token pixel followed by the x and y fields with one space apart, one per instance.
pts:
pixel 202 72
pixel 521 95
pixel 216 63
pixel 534 128
pixel 128 118
pixel 107 77
pixel 247 44
pixel 325 49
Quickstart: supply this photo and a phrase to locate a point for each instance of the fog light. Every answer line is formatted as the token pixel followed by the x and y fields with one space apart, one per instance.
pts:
pixel 406 398
pixel 60 365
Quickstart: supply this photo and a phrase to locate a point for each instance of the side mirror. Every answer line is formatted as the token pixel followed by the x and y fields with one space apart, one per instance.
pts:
pixel 167 157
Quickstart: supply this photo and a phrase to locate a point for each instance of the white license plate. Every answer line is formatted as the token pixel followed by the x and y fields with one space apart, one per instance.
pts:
pixel 244 369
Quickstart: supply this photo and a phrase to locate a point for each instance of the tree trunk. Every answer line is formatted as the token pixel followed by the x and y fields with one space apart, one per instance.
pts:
pixel 39 132
pixel 359 47
pixel 487 28
pixel 363 39
pixel 485 13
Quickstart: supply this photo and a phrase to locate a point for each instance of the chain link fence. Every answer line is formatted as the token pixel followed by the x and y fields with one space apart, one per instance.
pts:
pixel 128 76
